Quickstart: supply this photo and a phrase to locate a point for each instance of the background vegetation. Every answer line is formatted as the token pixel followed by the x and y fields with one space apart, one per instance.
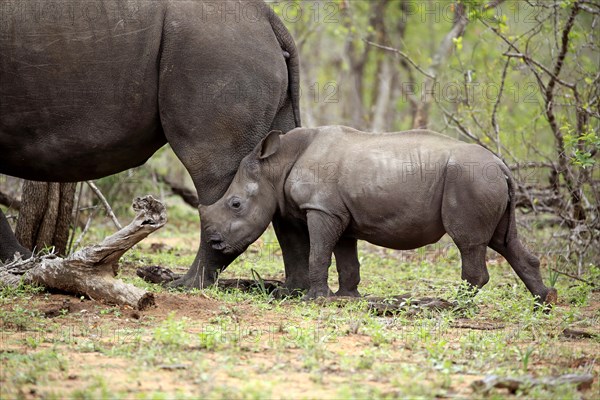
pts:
pixel 518 77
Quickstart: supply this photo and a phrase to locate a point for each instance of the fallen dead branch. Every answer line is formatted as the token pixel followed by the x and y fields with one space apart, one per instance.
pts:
pixel 480 326
pixel 379 305
pixel 156 274
pixel 577 334
pixel 583 382
pixel 161 275
pixel 407 304
pixel 91 270
pixel 391 305
pixel 268 285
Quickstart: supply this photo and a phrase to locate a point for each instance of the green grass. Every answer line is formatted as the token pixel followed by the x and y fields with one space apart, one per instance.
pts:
pixel 232 344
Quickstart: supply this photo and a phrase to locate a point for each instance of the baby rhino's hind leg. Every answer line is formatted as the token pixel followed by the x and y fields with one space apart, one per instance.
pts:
pixel 471 209
pixel 474 270
pixel 348 267
pixel 526 265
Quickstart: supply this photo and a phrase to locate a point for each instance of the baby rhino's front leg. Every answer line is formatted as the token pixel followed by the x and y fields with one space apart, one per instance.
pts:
pixel 325 231
pixel 348 267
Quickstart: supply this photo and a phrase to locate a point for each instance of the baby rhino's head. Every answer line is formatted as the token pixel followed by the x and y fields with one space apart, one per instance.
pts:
pixel 238 218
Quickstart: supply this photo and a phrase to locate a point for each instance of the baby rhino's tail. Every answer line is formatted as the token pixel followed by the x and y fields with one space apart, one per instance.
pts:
pixel 510 228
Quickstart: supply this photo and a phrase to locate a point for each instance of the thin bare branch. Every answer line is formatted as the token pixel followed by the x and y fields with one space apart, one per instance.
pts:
pixel 462 129
pixel 107 207
pixel 531 165
pixel 9 201
pixel 592 284
pixel 403 55
pixel 495 109
pixel 541 66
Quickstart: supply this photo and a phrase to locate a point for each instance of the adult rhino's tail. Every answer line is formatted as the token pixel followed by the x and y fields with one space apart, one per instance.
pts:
pixel 293 61
pixel 510 229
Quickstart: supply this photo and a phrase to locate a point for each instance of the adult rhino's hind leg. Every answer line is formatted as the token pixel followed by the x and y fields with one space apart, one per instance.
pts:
pixel 8 242
pixel 221 87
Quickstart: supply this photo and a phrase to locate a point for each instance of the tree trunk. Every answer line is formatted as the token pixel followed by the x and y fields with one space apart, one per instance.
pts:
pixel 45 215
pixel 383 102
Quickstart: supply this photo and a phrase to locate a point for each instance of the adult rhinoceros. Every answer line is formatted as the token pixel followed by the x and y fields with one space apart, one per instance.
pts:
pixel 88 89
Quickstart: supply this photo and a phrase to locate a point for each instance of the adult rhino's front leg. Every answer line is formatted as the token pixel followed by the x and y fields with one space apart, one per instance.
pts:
pixel 206 266
pixel 211 156
pixel 8 242
pixel 223 84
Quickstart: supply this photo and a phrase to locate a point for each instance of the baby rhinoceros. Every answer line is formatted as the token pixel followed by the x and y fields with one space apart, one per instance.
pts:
pixel 398 190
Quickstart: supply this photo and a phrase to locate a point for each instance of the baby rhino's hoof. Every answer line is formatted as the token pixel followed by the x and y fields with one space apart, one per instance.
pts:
pixel 551 297
pixel 549 301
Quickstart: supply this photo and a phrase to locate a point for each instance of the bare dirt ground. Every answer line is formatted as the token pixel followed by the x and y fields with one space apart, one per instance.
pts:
pixel 91 330
pixel 218 344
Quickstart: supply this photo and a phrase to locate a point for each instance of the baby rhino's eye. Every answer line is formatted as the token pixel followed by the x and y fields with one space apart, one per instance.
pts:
pixel 235 203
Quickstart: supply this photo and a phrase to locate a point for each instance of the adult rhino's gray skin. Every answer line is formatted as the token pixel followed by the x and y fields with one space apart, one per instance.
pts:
pixel 398 190
pixel 88 89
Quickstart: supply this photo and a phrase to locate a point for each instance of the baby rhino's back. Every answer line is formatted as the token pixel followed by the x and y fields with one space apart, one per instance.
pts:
pixel 391 184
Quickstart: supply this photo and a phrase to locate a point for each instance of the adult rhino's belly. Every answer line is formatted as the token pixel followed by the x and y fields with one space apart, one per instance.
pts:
pixel 84 151
pixel 78 95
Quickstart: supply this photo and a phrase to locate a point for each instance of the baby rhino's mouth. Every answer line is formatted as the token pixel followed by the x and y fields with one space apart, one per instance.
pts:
pixel 216 242
pixel 218 245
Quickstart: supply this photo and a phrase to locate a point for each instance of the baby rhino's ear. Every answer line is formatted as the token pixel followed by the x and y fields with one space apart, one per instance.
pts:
pixel 269 145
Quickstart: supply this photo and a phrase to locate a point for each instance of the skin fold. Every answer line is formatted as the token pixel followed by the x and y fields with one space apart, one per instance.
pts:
pixel 398 190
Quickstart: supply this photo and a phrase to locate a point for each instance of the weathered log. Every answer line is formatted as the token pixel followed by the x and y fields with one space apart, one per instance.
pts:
pixel 91 270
